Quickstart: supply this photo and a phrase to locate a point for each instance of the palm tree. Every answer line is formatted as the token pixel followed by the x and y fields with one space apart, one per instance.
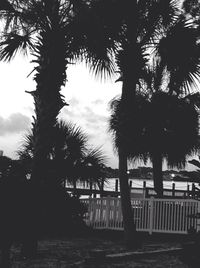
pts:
pixel 161 127
pixel 134 126
pixel 70 159
pixel 134 25
pixel 142 22
pixel 34 26
pixel 51 31
pixel 172 133
pixel 177 70
pixel 174 68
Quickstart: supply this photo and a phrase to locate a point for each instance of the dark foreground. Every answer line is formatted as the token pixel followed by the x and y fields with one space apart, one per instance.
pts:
pixel 75 252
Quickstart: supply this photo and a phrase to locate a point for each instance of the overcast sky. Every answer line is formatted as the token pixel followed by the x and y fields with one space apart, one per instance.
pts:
pixel 88 98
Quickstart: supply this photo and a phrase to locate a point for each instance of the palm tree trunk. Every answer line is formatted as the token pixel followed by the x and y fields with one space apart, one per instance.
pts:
pixel 128 96
pixel 50 76
pixel 157 173
pixel 129 226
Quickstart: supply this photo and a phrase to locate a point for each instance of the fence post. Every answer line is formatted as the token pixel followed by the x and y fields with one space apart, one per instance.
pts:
pixel 188 190
pixel 101 188
pixel 198 219
pixel 173 189
pixel 90 189
pixel 144 189
pixel 147 192
pixel 193 190
pixel 107 211
pixel 116 185
pixel 151 203
pixel 92 210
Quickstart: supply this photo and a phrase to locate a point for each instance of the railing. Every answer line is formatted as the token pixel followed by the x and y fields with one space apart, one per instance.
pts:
pixel 150 214
pixel 174 193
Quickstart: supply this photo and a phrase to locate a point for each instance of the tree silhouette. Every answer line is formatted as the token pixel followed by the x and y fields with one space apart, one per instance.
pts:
pixel 32 27
pixel 172 133
pixel 142 24
pixel 161 127
pixel 70 157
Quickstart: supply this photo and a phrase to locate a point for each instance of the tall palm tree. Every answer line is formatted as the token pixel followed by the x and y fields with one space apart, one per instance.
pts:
pixel 44 29
pixel 34 26
pixel 70 159
pixel 174 68
pixel 142 22
pixel 134 25
pixel 177 71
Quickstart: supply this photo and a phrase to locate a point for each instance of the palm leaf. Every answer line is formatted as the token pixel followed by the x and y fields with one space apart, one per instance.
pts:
pixel 14 42
pixel 70 156
pixel 181 61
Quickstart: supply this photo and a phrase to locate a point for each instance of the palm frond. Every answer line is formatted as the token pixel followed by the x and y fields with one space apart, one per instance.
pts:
pixel 182 61
pixel 26 149
pixel 102 67
pixel 14 42
pixel 70 157
pixel 93 166
pixel 127 126
pixel 93 37
pixel 194 162
pixel 96 157
pixel 75 138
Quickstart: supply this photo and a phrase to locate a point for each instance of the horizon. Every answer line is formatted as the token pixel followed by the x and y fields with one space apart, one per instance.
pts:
pixel 88 99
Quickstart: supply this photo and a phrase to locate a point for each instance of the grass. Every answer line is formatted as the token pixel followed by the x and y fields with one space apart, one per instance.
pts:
pixel 73 251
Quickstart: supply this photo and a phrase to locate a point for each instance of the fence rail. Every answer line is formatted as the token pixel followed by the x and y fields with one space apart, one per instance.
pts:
pixel 150 214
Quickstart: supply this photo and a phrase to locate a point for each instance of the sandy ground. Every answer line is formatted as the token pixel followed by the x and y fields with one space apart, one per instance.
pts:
pixel 72 252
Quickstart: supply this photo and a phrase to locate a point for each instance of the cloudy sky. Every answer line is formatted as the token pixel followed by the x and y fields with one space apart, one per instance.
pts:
pixel 88 98
pixel 87 95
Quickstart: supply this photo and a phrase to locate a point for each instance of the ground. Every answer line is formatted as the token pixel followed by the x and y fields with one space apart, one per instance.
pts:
pixel 74 252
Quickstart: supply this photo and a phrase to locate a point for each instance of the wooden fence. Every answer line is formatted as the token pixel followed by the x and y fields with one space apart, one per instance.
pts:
pixel 150 214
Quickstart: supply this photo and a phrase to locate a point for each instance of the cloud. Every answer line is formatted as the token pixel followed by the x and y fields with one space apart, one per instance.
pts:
pixel 73 102
pixel 94 122
pixel 98 102
pixel 15 123
pixel 93 118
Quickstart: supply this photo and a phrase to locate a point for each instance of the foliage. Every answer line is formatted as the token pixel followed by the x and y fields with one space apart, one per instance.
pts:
pixel 32 27
pixel 168 123
pixel 196 163
pixel 180 63
pixel 70 158
pixel 128 129
pixel 29 213
pixel 5 163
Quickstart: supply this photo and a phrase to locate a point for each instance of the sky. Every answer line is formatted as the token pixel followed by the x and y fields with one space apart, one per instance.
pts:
pixel 88 98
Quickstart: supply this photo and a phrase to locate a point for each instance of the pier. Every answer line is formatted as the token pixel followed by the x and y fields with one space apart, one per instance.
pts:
pixel 88 189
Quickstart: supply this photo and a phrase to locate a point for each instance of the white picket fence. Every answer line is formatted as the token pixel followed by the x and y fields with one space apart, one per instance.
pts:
pixel 150 214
